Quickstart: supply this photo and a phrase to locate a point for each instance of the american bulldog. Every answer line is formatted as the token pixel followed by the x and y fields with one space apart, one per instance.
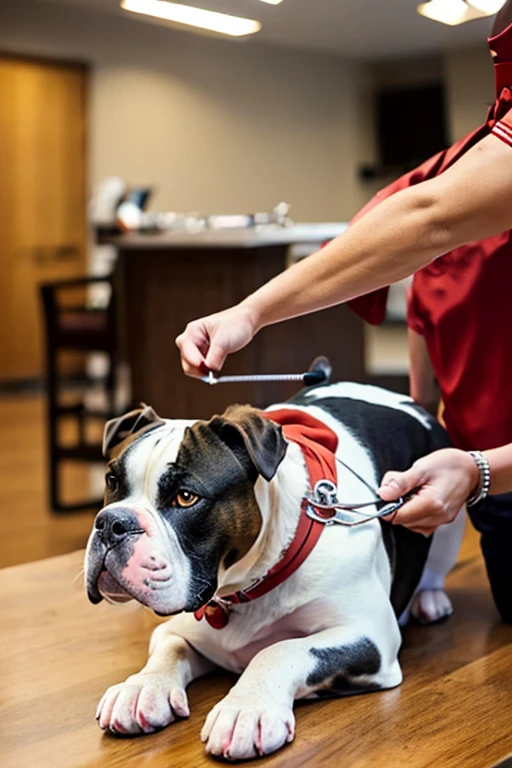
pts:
pixel 228 526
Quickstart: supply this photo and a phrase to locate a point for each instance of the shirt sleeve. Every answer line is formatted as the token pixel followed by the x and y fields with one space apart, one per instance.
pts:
pixel 372 306
pixel 503 129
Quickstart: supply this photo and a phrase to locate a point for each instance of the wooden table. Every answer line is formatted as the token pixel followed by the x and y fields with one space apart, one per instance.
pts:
pixel 166 280
pixel 59 654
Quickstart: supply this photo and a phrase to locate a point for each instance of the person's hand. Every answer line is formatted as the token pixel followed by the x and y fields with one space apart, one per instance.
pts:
pixel 205 343
pixel 441 482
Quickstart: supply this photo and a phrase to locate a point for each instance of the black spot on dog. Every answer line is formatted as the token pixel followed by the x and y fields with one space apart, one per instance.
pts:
pixel 393 439
pixel 338 668
pixel 342 686
pixel 223 524
pixel 117 467
pixel 355 659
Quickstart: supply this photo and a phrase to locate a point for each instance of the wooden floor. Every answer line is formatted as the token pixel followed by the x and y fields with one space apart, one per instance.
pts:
pixel 59 653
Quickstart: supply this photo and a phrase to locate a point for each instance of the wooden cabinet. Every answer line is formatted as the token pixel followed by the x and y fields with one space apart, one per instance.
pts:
pixel 42 198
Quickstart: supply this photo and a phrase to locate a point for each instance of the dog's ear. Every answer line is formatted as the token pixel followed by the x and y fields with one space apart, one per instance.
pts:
pixel 241 426
pixel 117 430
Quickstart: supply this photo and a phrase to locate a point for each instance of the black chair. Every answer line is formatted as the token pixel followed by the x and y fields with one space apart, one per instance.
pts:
pixel 75 328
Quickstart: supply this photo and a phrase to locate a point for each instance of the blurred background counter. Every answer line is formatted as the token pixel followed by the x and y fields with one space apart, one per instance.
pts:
pixel 165 280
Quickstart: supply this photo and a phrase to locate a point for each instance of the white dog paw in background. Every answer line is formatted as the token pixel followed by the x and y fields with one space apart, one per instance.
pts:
pixel 431 605
pixel 241 727
pixel 144 703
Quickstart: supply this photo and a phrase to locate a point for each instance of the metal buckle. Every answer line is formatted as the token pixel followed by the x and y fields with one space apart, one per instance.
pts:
pixel 325 497
pixel 325 493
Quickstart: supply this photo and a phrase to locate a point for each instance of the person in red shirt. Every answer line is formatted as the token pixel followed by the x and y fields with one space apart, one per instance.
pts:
pixel 459 304
pixel 458 203
pixel 459 316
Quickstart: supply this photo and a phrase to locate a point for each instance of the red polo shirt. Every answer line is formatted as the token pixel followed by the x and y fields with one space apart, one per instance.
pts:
pixel 462 302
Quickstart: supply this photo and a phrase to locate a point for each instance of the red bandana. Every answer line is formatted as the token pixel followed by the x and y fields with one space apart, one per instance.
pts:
pixel 318 444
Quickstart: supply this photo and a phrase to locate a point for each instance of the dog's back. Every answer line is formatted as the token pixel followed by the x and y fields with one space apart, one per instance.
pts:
pixel 392 427
pixel 395 432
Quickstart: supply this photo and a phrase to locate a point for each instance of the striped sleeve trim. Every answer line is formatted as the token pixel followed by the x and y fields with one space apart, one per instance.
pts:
pixel 503 132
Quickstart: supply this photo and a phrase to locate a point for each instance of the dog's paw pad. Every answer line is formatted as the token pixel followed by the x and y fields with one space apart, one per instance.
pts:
pixel 143 704
pixel 241 730
pixel 430 606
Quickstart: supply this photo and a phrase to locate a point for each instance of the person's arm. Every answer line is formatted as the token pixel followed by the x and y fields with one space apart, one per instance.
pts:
pixel 423 388
pixel 469 201
pixel 443 481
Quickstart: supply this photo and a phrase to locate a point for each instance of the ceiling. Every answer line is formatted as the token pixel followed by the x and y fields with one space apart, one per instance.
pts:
pixel 367 29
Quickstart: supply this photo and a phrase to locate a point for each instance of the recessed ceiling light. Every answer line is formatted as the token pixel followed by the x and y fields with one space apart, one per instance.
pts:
pixel 193 17
pixel 276 2
pixel 487 6
pixel 458 11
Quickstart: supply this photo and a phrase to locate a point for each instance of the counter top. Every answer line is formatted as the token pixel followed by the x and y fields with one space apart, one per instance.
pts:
pixel 254 237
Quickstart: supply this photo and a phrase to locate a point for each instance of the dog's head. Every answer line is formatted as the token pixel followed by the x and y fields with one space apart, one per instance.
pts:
pixel 179 505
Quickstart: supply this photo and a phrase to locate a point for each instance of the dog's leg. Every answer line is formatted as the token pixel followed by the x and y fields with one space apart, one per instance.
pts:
pixel 256 717
pixel 430 602
pixel 155 696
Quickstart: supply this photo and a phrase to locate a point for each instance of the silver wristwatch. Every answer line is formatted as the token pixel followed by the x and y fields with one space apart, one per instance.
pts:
pixel 482 490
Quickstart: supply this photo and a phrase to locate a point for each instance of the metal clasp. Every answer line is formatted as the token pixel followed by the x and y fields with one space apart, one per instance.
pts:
pixel 324 499
pixel 325 493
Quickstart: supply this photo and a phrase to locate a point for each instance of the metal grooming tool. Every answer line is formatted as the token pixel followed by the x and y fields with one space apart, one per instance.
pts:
pixel 319 372
pixel 325 499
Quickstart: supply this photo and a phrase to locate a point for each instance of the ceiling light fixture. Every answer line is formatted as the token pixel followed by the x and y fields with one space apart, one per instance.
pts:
pixel 454 12
pixel 276 2
pixel 222 23
pixel 487 6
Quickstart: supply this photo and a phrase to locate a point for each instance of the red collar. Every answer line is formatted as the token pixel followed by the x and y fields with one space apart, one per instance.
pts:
pixel 318 444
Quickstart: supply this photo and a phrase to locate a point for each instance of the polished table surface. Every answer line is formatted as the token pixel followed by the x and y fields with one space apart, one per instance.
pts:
pixel 59 653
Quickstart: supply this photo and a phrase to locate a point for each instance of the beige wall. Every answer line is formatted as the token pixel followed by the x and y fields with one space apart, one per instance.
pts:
pixel 216 126
pixel 468 78
pixel 229 125
pixel 469 83
pixel 470 88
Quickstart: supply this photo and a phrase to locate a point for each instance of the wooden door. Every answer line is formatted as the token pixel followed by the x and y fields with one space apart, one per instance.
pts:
pixel 42 198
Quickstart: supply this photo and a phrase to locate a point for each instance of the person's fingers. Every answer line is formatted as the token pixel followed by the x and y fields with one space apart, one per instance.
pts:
pixel 419 512
pixel 192 361
pixel 395 484
pixel 215 357
pixel 426 531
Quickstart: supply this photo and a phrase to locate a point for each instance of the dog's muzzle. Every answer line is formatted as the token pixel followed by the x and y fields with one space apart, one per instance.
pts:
pixel 113 525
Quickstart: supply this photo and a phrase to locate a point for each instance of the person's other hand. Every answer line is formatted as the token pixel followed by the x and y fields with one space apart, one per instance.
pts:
pixel 441 482
pixel 205 343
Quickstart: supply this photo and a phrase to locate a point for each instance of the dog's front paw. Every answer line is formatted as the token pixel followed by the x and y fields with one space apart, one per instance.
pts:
pixel 431 605
pixel 243 726
pixel 144 703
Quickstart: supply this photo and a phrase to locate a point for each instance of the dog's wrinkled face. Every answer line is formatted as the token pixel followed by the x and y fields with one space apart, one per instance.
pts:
pixel 179 504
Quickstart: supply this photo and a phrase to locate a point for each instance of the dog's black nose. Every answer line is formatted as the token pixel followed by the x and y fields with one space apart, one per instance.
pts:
pixel 114 525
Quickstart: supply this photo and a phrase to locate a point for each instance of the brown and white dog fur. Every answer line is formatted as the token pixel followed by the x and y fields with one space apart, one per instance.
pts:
pixel 195 509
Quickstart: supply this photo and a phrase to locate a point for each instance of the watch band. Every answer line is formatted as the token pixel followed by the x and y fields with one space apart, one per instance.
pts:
pixel 482 490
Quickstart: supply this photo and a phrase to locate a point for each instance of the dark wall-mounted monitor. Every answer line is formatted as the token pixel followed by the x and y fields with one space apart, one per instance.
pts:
pixel 411 125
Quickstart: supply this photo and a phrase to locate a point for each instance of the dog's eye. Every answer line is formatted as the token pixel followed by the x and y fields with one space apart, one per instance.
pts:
pixel 111 482
pixel 185 499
